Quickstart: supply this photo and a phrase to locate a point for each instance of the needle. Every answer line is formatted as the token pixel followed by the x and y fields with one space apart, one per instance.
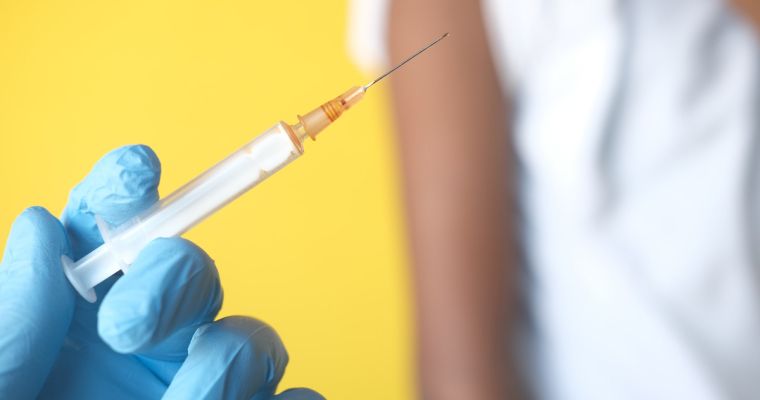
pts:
pixel 401 64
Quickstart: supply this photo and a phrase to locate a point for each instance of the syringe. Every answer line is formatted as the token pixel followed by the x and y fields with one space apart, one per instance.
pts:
pixel 210 191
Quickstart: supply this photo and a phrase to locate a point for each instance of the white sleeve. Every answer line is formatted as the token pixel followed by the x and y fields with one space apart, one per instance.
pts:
pixel 367 33
pixel 368 29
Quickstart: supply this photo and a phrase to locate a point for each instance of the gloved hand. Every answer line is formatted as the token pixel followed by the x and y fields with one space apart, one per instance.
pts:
pixel 152 332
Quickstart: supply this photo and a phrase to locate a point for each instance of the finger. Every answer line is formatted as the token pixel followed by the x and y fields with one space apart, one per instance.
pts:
pixel 298 394
pixel 36 303
pixel 233 358
pixel 120 185
pixel 171 289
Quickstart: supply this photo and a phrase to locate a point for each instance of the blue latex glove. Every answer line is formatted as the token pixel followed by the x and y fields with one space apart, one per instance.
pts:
pixel 152 332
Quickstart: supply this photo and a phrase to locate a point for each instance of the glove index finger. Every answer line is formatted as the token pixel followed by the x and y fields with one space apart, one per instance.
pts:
pixel 120 185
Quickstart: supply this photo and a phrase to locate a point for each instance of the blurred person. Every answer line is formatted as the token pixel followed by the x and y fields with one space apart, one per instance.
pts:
pixel 615 144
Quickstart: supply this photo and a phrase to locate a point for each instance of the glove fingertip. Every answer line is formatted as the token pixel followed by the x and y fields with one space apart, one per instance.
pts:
pixel 171 276
pixel 299 394
pixel 138 155
pixel 121 183
pixel 248 340
pixel 35 228
pixel 243 349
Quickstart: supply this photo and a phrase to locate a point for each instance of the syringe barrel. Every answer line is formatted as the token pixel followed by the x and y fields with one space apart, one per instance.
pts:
pixel 187 206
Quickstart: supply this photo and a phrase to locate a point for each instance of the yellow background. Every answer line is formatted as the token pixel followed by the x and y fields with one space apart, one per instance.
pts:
pixel 317 251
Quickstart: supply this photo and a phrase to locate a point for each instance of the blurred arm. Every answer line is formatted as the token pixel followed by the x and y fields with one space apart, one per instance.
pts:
pixel 455 150
pixel 750 9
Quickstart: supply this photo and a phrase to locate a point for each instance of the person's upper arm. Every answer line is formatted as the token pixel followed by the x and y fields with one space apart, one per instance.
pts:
pixel 452 123
pixel 749 9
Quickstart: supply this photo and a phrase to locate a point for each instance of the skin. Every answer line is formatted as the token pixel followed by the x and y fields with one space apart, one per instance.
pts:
pixel 750 10
pixel 458 174
pixel 458 178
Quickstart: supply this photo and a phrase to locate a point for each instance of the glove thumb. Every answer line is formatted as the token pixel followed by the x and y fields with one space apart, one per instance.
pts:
pixel 36 303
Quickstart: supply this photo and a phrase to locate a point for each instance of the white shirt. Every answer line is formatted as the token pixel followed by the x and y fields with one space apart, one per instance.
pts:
pixel 636 128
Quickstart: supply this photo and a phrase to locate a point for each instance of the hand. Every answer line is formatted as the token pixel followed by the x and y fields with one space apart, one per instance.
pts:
pixel 152 332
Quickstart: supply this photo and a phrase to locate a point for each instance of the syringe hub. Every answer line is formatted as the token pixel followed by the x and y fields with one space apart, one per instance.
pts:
pixel 318 119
